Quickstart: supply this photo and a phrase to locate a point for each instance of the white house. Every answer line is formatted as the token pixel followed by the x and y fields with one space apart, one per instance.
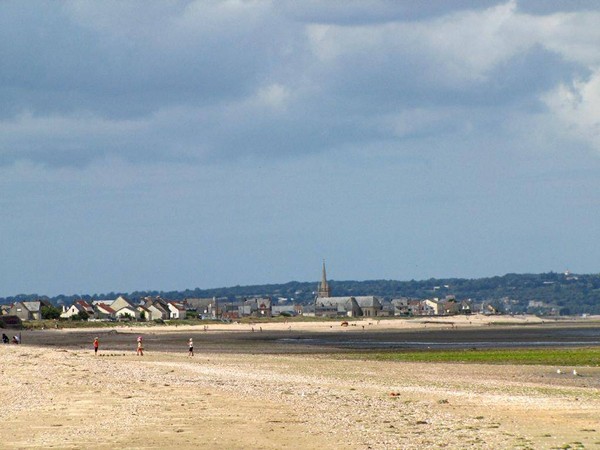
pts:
pixel 104 311
pixel 176 310
pixel 143 312
pixel 156 312
pixel 127 311
pixel 120 302
pixel 77 307
pixel 432 307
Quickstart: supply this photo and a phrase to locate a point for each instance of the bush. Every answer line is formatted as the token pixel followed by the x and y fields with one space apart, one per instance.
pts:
pixel 81 315
pixel 50 312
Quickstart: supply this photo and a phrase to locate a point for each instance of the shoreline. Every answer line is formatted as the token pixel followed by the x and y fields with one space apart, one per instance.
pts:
pixel 383 323
pixel 321 337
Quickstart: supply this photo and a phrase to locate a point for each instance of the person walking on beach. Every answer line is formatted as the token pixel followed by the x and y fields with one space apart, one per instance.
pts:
pixel 140 347
pixel 96 344
pixel 191 347
pixel 5 339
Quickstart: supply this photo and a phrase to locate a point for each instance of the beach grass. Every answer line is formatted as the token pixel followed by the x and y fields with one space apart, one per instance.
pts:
pixel 589 357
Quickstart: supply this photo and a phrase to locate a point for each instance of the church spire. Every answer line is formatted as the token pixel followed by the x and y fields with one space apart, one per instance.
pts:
pixel 324 290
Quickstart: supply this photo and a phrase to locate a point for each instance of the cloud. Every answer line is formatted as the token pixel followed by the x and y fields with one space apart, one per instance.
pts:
pixel 357 12
pixel 577 108
pixel 204 81
pixel 157 144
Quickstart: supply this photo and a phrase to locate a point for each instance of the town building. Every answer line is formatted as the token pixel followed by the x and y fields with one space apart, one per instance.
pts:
pixel 28 310
pixel 352 306
pixel 78 306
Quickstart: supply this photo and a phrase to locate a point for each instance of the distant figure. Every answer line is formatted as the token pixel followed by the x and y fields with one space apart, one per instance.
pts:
pixel 16 340
pixel 96 344
pixel 4 338
pixel 140 347
pixel 191 347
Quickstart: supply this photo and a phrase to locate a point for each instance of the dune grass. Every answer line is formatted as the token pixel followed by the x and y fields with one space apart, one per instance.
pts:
pixel 538 356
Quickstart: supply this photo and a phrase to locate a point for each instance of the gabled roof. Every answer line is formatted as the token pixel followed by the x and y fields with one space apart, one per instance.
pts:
pixel 105 302
pixel 156 301
pixel 121 302
pixel 34 306
pixel 199 302
pixel 158 307
pixel 16 304
pixel 340 304
pixel 368 301
pixel 179 306
pixel 129 308
pixel 84 305
pixel 105 308
pixel 77 306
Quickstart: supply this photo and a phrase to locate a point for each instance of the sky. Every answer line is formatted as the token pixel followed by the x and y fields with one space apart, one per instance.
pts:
pixel 184 144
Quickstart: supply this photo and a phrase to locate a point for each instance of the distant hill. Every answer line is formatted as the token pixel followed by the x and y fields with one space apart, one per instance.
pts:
pixel 534 293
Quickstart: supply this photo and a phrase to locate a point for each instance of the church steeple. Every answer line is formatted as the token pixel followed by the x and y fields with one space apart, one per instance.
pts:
pixel 324 290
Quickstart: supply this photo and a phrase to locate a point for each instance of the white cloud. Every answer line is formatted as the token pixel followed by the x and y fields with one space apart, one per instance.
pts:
pixel 574 36
pixel 275 96
pixel 464 46
pixel 577 106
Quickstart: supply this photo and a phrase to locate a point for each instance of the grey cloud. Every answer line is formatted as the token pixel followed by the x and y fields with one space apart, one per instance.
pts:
pixel 57 60
pixel 380 11
pixel 553 6
pixel 199 81
pixel 357 12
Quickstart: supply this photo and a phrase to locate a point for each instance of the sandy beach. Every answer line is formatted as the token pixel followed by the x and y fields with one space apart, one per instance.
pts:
pixel 379 323
pixel 62 396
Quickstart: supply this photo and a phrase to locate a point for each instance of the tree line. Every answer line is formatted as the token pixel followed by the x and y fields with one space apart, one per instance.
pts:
pixel 517 293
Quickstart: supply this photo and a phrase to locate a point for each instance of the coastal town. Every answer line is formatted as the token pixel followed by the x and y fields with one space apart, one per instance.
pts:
pixel 325 305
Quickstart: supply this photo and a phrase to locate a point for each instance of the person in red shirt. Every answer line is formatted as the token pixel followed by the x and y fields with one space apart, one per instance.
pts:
pixel 96 345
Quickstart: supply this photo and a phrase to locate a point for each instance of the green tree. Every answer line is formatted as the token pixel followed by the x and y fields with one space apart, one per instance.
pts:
pixel 50 312
pixel 81 315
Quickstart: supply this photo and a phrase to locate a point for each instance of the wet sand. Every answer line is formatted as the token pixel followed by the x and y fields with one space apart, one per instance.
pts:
pixel 328 337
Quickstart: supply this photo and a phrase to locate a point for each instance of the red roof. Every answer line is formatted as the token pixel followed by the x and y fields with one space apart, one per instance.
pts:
pixel 106 308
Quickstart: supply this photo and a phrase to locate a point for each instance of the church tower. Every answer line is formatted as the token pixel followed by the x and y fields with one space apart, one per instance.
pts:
pixel 324 291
